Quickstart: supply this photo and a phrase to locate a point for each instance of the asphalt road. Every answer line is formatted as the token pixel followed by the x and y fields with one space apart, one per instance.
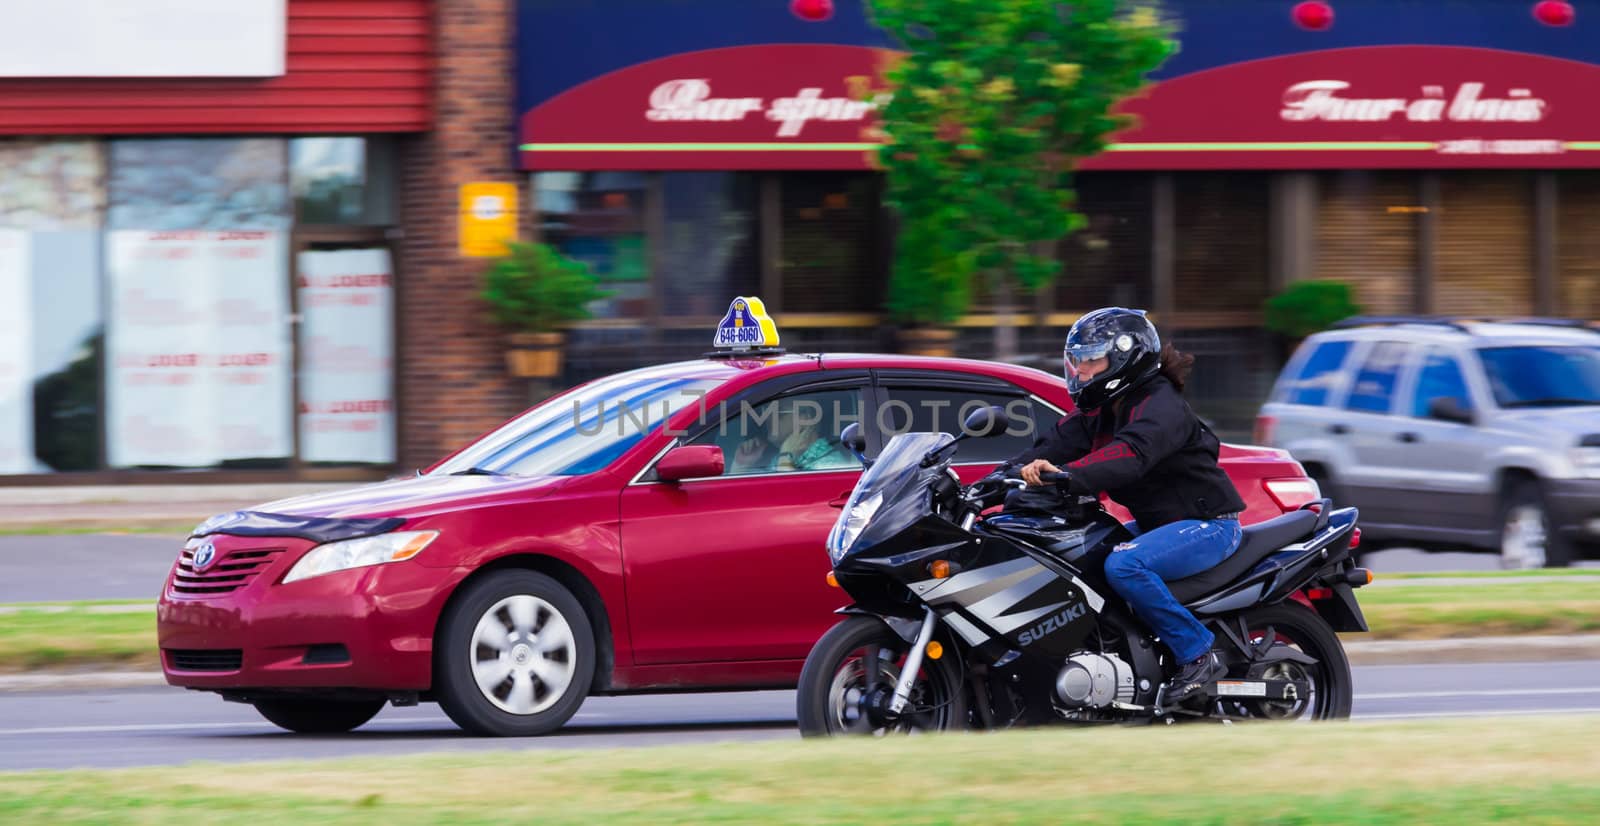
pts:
pixel 35 568
pixel 171 726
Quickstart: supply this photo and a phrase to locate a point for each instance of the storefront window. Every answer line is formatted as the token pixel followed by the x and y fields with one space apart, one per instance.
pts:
pixel 1367 233
pixel 52 194
pixel 1222 241
pixel 710 251
pixel 346 301
pixel 1108 261
pixel 1485 243
pixel 198 352
pixel 831 250
pixel 343 180
pixel 598 218
pixel 1578 244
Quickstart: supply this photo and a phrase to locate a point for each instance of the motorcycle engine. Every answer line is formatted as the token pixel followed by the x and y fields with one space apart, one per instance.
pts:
pixel 1091 680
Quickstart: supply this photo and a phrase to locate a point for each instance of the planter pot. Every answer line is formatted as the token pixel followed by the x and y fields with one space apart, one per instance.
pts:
pixel 534 355
pixel 928 341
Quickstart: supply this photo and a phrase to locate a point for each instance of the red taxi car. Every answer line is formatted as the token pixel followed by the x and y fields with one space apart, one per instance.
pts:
pixel 624 536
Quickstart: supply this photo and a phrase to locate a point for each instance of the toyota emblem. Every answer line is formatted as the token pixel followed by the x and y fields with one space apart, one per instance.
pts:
pixel 204 556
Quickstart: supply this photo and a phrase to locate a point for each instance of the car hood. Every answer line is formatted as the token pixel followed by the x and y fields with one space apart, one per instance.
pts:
pixel 1562 424
pixel 414 496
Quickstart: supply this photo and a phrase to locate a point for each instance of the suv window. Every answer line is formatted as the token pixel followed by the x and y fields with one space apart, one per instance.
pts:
pixel 1548 376
pixel 1318 375
pixel 933 408
pixel 1373 390
pixel 1440 377
pixel 791 433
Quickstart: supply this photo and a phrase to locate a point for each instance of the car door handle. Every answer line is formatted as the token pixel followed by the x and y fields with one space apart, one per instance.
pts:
pixel 1408 437
pixel 1338 428
pixel 840 500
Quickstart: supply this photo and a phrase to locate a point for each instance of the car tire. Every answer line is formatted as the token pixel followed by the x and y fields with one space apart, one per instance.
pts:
pixel 514 656
pixel 1528 538
pixel 318 716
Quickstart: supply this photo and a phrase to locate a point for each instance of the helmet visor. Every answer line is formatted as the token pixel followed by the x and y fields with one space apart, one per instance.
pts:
pixel 1076 354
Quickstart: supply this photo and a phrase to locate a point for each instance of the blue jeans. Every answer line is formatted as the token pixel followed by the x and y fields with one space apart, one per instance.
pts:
pixel 1139 570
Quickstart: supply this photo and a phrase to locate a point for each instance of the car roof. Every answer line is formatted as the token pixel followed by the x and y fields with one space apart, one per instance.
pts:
pixel 1471 332
pixel 725 367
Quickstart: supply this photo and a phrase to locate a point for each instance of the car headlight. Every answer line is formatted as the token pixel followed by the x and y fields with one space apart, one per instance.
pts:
pixel 357 553
pixel 850 525
pixel 1587 461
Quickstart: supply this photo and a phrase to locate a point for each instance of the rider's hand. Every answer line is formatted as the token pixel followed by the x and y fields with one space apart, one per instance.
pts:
pixel 1030 472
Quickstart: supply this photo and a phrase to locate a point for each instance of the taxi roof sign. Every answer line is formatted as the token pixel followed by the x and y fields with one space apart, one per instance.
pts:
pixel 746 328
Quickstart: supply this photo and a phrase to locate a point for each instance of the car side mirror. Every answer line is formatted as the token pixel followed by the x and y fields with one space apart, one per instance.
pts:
pixel 851 438
pixel 1449 409
pixel 690 462
pixel 986 421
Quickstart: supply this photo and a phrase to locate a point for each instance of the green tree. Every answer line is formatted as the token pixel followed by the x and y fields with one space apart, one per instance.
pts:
pixel 534 288
pixel 991 108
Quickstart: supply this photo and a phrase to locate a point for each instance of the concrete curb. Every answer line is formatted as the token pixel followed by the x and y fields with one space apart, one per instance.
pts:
pixel 1381 652
pixel 1474 650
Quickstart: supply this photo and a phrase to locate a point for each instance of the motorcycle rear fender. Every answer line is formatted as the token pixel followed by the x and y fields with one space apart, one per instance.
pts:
pixel 1341 611
pixel 1275 579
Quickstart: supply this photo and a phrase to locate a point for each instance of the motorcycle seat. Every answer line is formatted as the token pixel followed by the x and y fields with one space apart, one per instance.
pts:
pixel 1260 541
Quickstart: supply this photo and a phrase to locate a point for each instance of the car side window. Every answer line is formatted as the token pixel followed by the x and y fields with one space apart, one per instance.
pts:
pixel 1373 390
pixel 793 433
pixel 1440 377
pixel 933 408
pixel 1318 375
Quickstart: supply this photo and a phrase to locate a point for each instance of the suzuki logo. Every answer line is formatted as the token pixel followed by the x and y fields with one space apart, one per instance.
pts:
pixel 204 556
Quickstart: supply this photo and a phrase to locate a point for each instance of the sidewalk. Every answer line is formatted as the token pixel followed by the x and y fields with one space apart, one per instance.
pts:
pixel 156 508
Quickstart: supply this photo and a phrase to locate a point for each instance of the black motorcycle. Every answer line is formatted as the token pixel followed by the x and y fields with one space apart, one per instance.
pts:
pixel 967 619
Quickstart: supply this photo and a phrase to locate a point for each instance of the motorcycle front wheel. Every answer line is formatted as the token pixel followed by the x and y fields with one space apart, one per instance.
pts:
pixel 849 678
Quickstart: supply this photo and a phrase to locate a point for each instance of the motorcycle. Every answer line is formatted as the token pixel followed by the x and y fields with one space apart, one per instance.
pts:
pixel 964 617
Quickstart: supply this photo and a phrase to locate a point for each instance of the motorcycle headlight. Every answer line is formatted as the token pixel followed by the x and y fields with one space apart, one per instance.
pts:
pixel 849 526
pixel 358 553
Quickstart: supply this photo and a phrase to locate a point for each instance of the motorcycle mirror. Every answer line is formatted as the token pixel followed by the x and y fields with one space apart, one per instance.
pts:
pixel 986 422
pixel 851 437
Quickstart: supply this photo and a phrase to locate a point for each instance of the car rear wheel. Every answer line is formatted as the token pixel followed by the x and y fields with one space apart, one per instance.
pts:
pixel 1528 539
pixel 318 716
pixel 515 656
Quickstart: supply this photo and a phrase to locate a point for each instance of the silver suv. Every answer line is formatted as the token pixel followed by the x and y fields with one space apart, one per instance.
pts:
pixel 1451 434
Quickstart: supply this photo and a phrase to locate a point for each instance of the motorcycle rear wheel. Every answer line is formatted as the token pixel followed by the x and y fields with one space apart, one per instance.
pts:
pixel 840 695
pixel 1332 688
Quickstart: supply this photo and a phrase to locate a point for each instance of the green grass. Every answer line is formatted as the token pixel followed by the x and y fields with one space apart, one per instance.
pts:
pixel 1527 771
pixel 1421 611
pixel 34 638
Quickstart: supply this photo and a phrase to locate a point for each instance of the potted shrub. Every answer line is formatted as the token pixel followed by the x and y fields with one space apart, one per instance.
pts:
pixel 534 290
pixel 1309 306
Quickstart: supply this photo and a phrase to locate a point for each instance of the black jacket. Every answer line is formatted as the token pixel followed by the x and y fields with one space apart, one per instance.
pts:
pixel 1153 456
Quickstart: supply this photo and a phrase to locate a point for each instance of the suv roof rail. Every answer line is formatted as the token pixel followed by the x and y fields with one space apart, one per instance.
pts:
pixel 1460 322
pixel 1371 320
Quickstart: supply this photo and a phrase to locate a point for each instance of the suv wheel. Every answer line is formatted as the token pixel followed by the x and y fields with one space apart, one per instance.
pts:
pixel 1527 537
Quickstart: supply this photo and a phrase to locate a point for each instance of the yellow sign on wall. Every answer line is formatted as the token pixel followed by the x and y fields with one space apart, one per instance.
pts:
pixel 488 218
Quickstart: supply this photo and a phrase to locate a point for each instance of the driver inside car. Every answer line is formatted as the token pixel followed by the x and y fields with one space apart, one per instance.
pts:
pixel 1134 438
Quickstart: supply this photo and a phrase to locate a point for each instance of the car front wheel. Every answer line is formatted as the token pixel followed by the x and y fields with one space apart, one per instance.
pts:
pixel 1528 538
pixel 515 656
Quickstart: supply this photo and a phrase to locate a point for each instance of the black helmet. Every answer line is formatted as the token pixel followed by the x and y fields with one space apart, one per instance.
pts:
pixel 1129 343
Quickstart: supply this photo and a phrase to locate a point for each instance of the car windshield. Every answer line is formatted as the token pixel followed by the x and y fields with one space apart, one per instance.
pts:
pixel 1544 376
pixel 581 432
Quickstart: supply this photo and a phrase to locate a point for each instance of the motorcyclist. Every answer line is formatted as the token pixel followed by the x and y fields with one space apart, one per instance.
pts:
pixel 1134 437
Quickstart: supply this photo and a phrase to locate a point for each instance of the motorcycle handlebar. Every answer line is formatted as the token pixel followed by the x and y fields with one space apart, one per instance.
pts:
pixel 1059 478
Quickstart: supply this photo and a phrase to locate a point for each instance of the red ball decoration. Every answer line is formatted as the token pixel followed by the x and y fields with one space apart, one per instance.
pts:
pixel 1313 15
pixel 1554 13
pixel 812 10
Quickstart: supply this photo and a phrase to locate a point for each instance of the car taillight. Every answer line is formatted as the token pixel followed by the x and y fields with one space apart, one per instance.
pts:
pixel 1290 494
pixel 1266 428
